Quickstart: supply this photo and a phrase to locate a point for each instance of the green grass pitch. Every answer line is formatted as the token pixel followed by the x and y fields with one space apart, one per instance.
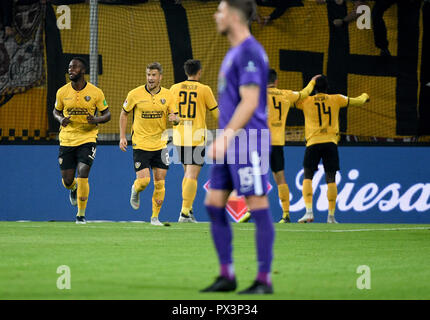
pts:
pixel 141 261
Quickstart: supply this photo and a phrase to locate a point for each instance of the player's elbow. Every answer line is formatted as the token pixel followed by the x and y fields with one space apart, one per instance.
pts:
pixel 108 116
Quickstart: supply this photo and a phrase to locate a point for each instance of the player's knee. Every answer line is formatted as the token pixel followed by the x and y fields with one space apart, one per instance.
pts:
pixel 141 183
pixel 67 182
pixel 159 184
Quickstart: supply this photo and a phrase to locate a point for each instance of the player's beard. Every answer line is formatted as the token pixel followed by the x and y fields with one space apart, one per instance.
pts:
pixel 75 78
pixel 154 85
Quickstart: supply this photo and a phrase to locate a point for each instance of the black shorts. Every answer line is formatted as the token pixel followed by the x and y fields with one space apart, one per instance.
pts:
pixel 150 159
pixel 191 155
pixel 325 151
pixel 69 157
pixel 277 161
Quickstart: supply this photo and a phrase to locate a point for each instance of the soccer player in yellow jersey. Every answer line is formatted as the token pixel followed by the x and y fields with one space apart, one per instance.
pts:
pixel 321 113
pixel 152 107
pixel 76 110
pixel 193 99
pixel 278 104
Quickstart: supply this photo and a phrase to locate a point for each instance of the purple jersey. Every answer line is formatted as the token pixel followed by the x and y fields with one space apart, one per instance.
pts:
pixel 246 162
pixel 244 64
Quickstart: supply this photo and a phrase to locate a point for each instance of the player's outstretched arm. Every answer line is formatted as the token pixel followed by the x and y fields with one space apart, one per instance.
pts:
pixel 308 89
pixel 122 128
pixel 359 101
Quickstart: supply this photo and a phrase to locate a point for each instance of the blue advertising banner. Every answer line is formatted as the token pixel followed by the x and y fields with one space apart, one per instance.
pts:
pixel 375 185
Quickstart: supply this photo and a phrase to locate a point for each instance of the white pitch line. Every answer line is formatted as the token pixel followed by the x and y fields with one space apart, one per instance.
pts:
pixel 350 230
pixel 241 229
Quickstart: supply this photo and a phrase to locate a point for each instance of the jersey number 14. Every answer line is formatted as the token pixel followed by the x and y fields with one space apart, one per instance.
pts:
pixel 323 110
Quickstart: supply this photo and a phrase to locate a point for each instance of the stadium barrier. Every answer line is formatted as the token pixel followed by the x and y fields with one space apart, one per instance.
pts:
pixel 375 185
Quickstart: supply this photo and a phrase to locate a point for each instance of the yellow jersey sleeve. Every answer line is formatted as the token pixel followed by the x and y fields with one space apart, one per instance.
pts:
pixel 59 105
pixel 340 100
pixel 292 96
pixel 359 101
pixel 101 103
pixel 129 102
pixel 211 103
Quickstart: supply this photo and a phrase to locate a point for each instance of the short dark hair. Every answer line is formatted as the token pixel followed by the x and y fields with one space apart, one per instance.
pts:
pixel 247 7
pixel 81 60
pixel 191 67
pixel 155 66
pixel 273 76
pixel 321 84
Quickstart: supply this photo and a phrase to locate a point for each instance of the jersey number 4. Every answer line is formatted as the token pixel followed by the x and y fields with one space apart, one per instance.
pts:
pixel 322 110
pixel 278 107
pixel 187 100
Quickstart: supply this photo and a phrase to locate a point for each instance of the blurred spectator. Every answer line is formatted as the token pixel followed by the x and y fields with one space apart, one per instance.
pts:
pixel 352 16
pixel 379 28
pixel 280 7
pixel 6 17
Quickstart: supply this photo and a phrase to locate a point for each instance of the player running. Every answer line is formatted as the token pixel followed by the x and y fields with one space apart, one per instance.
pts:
pixel 152 107
pixel 76 110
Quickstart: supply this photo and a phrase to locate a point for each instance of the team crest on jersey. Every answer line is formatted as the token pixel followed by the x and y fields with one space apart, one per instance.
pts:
pixel 137 165
pixel 60 161
pixel 163 101
pixel 251 67
pixel 87 98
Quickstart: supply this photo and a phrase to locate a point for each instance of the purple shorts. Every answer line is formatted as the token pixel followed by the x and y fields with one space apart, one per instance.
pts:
pixel 246 178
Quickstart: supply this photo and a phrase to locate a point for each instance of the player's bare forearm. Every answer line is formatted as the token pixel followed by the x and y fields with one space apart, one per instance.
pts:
pixel 64 121
pixel 215 114
pixel 105 117
pixel 122 128
pixel 123 117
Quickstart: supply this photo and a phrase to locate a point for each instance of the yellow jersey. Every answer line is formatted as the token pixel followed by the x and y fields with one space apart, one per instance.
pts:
pixel 192 99
pixel 78 105
pixel 278 105
pixel 321 113
pixel 150 116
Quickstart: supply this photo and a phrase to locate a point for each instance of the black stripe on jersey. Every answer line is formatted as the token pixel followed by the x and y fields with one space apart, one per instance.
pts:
pixel 213 108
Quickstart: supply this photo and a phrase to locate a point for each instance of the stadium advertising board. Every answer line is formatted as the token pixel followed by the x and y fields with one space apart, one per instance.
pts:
pixel 375 185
